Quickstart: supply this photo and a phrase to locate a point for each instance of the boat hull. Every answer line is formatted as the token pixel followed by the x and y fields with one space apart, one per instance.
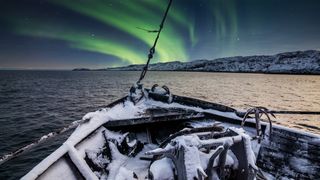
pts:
pixel 287 153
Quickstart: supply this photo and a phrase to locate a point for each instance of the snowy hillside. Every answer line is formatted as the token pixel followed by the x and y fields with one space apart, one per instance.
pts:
pixel 298 62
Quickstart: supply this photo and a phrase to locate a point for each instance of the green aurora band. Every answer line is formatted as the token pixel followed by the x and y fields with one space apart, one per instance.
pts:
pixel 226 24
pixel 127 17
pixel 82 41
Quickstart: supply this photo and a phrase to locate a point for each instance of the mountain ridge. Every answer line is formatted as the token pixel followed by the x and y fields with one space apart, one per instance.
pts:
pixel 296 62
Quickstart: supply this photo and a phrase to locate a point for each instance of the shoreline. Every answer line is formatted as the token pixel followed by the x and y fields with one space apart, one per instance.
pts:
pixel 232 72
pixel 98 70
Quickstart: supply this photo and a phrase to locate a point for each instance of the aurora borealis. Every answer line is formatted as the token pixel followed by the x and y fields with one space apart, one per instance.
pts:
pixel 65 34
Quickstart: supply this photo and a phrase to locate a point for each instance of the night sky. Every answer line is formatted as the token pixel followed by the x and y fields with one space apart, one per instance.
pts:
pixel 66 34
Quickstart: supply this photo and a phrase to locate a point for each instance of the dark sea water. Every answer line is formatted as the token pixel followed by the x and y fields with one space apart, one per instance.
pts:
pixel 34 103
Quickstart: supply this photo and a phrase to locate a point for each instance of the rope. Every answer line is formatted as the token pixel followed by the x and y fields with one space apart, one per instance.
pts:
pixel 153 48
pixel 11 155
pixel 149 31
pixel 285 111
pixel 296 112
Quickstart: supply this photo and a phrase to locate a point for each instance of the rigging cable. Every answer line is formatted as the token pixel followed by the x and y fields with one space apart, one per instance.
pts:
pixel 153 48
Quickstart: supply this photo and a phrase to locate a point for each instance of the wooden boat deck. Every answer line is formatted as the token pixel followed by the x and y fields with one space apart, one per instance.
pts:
pixel 287 154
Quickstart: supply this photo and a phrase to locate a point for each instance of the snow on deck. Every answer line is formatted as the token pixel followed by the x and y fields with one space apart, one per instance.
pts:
pixel 125 110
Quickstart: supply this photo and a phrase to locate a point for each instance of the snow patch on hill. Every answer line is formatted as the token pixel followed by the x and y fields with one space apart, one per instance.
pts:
pixel 298 62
